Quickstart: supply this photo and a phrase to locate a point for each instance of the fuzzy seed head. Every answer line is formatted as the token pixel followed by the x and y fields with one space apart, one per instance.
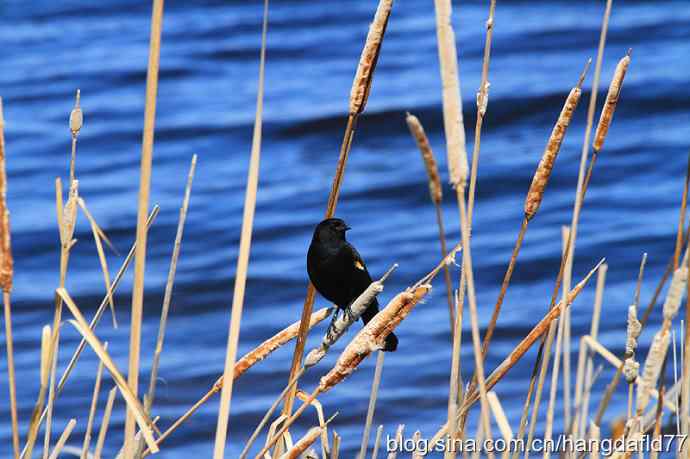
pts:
pixel 428 156
pixel 6 261
pixel 611 102
pixel 553 146
pixel 633 331
pixel 367 61
pixel 675 293
pixel 652 367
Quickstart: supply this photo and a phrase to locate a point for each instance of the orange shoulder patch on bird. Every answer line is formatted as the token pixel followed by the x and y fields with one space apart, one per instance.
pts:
pixel 359 265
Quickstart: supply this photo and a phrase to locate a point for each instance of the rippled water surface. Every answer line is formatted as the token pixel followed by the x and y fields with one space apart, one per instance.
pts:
pixel 206 102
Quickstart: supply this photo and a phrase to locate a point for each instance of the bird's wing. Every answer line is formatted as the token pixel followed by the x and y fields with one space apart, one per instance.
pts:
pixel 361 271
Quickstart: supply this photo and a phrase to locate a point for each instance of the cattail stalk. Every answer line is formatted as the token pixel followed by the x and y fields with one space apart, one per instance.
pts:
pixel 398 441
pixel 377 442
pixel 105 422
pixel 167 298
pixel 358 97
pixel 436 193
pixel 681 217
pixel 372 404
pixel 6 274
pixel 34 424
pixel 76 121
pixel 92 409
pixel 63 439
pixel 453 398
pixel 452 105
pixel 142 212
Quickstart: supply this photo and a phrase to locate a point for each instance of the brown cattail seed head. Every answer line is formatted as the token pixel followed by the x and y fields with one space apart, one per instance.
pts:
pixel 76 117
pixel 553 146
pixel 367 61
pixel 611 101
pixel 6 262
pixel 428 156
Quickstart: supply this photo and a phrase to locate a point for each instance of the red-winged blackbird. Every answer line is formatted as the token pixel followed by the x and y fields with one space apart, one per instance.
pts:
pixel 338 272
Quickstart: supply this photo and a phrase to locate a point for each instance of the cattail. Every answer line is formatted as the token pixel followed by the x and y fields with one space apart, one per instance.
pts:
pixel 633 331
pixel 428 155
pixel 453 123
pixel 611 101
pixel 69 214
pixel 76 117
pixel 340 325
pixel 652 368
pixel 373 335
pixel 370 55
pixel 6 263
pixel 675 293
pixel 305 442
pixel 553 146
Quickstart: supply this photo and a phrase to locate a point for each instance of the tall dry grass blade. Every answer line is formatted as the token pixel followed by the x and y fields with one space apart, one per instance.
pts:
pixel 335 451
pixel 104 303
pixel 453 398
pixel 63 439
pixel 501 420
pixel 167 297
pixel 101 257
pixel 32 432
pixel 92 409
pixel 685 386
pixel 372 404
pixel 323 423
pixel 436 194
pixel 377 442
pixel 452 105
pixel 105 422
pixel 243 257
pixel 681 217
pixel 133 403
pixel 6 274
pixel 398 440
pixel 358 98
pixel 142 212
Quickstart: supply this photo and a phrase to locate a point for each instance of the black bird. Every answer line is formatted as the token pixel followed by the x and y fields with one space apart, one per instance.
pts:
pixel 338 272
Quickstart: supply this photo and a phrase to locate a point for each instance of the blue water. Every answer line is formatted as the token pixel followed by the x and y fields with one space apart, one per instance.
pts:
pixel 206 102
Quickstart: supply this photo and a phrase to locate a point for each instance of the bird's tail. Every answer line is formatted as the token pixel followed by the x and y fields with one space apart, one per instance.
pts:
pixel 391 343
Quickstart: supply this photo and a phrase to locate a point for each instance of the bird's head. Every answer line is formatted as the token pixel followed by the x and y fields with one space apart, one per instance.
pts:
pixel 331 229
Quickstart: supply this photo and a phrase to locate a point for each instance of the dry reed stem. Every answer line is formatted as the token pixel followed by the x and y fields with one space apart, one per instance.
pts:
pixel 340 324
pixel 105 422
pixel 303 443
pixel 330 212
pixel 243 257
pixel 63 439
pixel 245 363
pixel 167 297
pixel 612 98
pixel 323 423
pixel 372 404
pixel 436 193
pixel 519 351
pixel 482 104
pixel 377 442
pixel 6 274
pixel 451 94
pixel 582 398
pixel 335 452
pixel 501 420
pixel 681 217
pixel 104 303
pixel 101 257
pixel 595 436
pixel 142 212
pixel 367 61
pixel 46 339
pixel 92 409
pixel 453 398
pixel 133 403
pixel 398 438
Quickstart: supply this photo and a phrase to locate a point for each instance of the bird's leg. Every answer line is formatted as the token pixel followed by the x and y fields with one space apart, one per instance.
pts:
pixel 349 314
pixel 331 326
